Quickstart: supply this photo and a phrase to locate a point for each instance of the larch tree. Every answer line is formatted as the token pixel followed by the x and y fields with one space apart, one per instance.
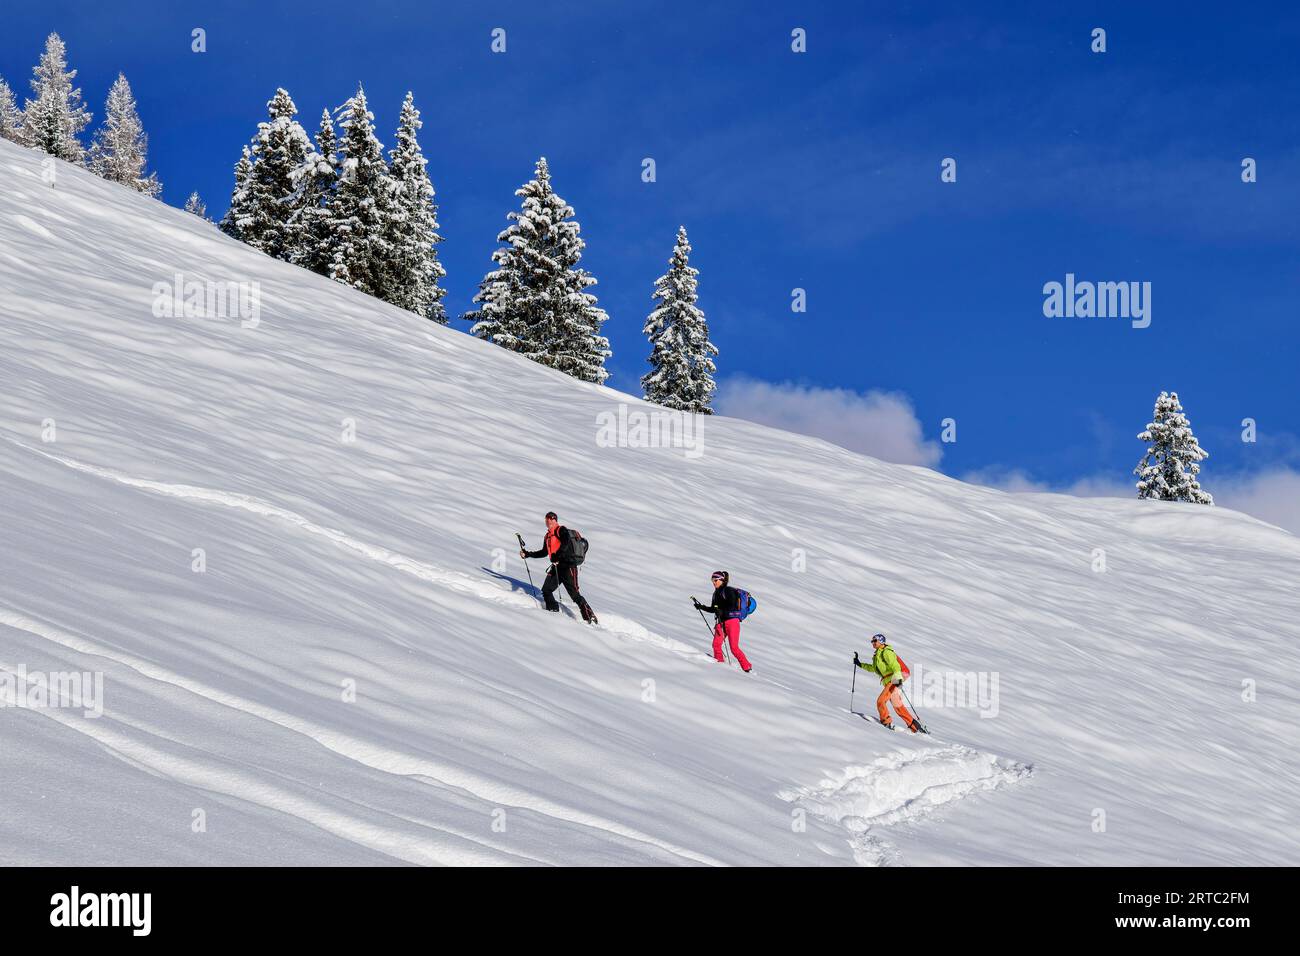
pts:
pixel 119 152
pixel 54 118
pixel 195 206
pixel 11 117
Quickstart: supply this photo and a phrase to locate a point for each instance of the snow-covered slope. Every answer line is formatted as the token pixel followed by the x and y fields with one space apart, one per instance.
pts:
pixel 486 731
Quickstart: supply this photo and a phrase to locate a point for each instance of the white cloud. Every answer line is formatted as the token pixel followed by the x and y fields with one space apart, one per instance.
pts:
pixel 1272 496
pixel 880 424
pixel 1017 481
pixel 1013 480
pixel 884 425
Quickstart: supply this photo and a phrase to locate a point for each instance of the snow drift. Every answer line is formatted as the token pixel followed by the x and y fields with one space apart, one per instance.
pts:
pixel 286 546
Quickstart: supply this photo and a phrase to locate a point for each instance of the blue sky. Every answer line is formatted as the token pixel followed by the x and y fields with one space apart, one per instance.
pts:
pixel 821 171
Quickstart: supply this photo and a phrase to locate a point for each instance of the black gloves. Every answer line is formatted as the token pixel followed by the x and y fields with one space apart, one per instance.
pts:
pixel 856 662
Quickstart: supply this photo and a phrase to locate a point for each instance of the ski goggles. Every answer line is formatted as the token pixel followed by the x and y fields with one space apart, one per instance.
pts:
pixel 718 576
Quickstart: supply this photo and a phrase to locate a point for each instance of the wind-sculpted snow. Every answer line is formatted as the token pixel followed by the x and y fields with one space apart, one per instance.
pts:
pixel 285 544
pixel 901 787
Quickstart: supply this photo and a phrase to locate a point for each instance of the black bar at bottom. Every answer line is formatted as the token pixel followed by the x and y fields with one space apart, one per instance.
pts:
pixel 906 905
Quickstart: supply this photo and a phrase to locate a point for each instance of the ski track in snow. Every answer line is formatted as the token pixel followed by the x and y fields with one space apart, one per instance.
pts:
pixel 493 792
pixel 456 581
pixel 433 848
pixel 902 787
pixel 453 580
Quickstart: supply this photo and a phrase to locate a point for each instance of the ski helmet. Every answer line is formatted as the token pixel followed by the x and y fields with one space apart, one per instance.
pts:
pixel 878 637
pixel 725 577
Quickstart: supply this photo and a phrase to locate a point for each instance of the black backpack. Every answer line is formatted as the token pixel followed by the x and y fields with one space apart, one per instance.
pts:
pixel 574 550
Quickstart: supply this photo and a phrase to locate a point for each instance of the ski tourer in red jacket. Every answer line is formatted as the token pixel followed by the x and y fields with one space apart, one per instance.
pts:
pixel 561 571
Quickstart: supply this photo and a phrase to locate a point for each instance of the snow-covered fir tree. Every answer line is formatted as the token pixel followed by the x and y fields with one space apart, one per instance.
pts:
pixel 277 153
pixel 414 269
pixel 240 211
pixel 309 225
pixel 535 302
pixel 119 151
pixel 362 206
pixel 11 117
pixel 681 355
pixel 1169 468
pixel 195 206
pixel 54 118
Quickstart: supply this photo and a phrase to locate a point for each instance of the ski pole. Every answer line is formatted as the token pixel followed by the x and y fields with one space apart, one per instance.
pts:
pixel 915 713
pixel 725 652
pixel 526 568
pixel 854 687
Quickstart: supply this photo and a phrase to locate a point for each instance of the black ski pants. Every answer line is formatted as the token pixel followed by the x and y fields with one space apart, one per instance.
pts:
pixel 568 575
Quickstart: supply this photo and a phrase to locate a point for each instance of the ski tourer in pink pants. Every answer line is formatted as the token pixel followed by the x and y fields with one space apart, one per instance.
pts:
pixel 729 629
pixel 726 611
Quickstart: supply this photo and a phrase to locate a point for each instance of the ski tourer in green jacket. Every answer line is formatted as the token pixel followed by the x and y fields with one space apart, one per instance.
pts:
pixel 884 663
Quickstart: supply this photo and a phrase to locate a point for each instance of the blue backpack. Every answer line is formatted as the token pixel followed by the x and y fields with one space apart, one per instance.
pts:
pixel 745 604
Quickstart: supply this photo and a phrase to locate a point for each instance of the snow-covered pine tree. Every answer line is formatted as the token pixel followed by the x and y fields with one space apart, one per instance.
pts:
pixel 414 269
pixel 309 225
pixel 535 301
pixel 277 152
pixel 363 203
pixel 11 117
pixel 1169 468
pixel 240 211
pixel 119 151
pixel 681 355
pixel 195 206
pixel 53 121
